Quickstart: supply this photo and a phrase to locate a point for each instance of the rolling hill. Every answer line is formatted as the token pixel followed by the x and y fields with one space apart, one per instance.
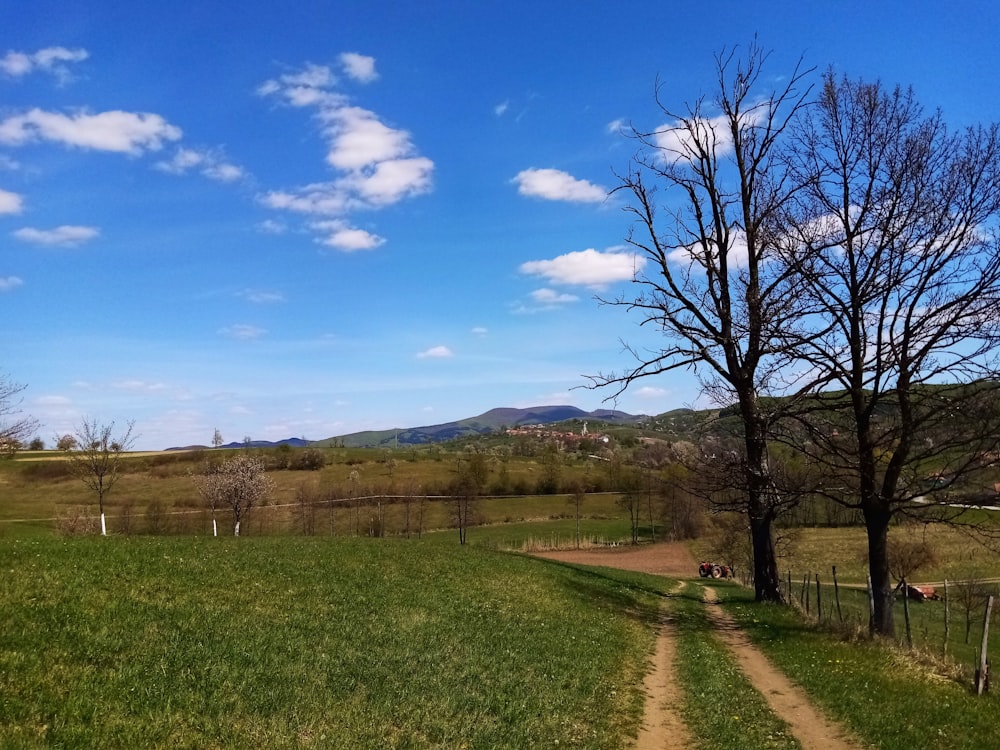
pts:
pixel 483 424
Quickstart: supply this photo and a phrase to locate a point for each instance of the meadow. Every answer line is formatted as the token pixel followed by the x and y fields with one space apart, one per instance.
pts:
pixel 310 633
pixel 280 642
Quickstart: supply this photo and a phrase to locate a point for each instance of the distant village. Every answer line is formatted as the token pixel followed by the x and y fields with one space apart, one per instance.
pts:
pixel 564 440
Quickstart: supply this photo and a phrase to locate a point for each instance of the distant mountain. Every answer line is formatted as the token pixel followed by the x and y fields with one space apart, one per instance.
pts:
pixel 293 442
pixel 484 424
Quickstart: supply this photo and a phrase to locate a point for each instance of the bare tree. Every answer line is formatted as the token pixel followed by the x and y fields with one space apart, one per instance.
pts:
pixel 15 427
pixel 239 483
pixel 630 501
pixel 471 475
pixel 895 238
pixel 95 454
pixel 216 438
pixel 726 308
pixel 578 493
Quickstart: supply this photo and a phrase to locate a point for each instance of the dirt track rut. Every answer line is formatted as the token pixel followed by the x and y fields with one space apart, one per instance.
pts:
pixel 663 726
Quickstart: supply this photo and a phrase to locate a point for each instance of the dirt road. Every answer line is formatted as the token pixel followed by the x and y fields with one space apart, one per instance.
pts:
pixel 663 726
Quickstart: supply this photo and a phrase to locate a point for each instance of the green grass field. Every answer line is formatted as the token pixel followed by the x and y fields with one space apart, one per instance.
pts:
pixel 166 642
pixel 306 634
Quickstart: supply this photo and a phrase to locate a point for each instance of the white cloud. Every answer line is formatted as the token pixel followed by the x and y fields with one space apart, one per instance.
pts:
pixel 340 235
pixel 501 108
pixel 242 331
pixel 224 172
pixel 389 182
pixel 117 131
pixel 8 283
pixel 739 253
pixel 10 203
pixel 590 267
pixel 63 236
pixel 376 165
pixel 359 139
pixel 556 185
pixel 677 141
pixel 480 331
pixel 210 163
pixel 359 67
pixel 51 60
pixel 436 352
pixel 323 198
pixel 550 297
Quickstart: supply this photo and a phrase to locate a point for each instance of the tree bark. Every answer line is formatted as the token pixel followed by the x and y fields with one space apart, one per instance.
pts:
pixel 877 526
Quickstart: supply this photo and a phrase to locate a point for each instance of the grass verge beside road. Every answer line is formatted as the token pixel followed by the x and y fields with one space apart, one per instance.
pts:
pixel 878 691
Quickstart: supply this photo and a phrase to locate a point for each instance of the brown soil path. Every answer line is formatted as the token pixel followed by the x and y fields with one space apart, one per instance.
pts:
pixel 663 727
pixel 811 728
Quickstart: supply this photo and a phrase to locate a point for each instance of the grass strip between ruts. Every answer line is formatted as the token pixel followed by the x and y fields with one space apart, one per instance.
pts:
pixel 721 707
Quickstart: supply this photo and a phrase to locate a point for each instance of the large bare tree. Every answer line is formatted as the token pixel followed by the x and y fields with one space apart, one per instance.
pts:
pixel 705 191
pixel 15 427
pixel 95 454
pixel 895 238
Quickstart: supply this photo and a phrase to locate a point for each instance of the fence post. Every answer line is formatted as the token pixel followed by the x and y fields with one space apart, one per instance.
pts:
pixel 983 673
pixel 819 601
pixel 947 619
pixel 871 604
pixel 836 594
pixel 906 612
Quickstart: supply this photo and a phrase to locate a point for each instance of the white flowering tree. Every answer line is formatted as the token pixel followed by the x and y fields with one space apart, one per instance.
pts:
pixel 239 483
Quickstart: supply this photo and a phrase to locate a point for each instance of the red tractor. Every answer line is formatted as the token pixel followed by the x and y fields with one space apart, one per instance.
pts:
pixel 714 570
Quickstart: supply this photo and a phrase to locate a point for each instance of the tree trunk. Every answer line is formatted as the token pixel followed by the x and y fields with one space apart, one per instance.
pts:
pixel 761 504
pixel 877 527
pixel 766 581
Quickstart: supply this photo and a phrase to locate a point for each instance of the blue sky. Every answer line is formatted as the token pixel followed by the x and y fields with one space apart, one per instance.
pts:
pixel 337 216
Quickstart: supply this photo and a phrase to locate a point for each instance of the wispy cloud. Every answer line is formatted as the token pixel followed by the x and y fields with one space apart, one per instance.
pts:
pixel 651 393
pixel 211 163
pixel 436 352
pixel 501 108
pixel 49 60
pixel 243 332
pixel 62 236
pixel 8 283
pixel 556 185
pixel 551 297
pixel 591 268
pixel 261 297
pixel 137 386
pixel 117 131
